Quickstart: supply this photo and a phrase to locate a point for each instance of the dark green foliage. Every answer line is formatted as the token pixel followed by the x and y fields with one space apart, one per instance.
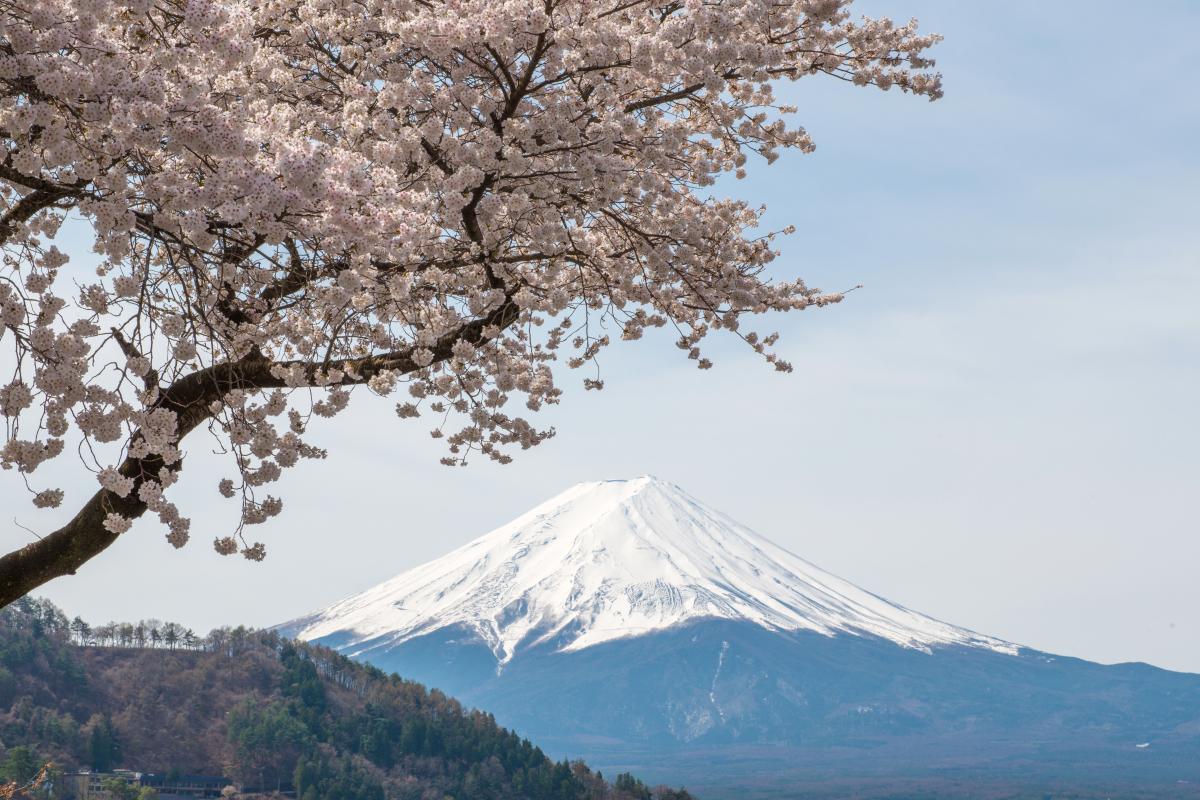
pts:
pixel 20 765
pixel 38 648
pixel 631 786
pixel 267 741
pixel 104 750
pixel 123 790
pixel 399 727
pixel 303 687
pixel 321 777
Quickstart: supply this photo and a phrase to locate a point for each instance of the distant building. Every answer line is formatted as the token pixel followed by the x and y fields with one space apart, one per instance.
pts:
pixel 169 786
pixel 90 785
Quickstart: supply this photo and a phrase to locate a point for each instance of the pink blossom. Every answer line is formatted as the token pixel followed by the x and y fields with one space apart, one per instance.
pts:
pixel 470 202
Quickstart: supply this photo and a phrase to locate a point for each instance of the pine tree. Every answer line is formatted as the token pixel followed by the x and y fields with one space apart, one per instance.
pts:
pixel 103 747
pixel 21 765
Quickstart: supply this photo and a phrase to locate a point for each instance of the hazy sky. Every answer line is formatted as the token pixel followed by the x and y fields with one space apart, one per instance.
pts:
pixel 999 430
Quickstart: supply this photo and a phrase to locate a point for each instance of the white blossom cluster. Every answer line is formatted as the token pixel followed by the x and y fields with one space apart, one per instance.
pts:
pixel 293 198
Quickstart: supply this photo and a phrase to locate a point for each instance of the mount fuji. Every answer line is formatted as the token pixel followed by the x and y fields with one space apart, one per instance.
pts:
pixel 628 623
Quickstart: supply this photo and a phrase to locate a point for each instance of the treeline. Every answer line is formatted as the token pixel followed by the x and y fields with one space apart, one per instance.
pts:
pixel 148 633
pixel 267 712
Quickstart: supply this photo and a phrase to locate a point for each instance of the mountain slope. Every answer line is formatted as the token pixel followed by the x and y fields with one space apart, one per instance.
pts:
pixel 627 623
pixel 266 713
pixel 614 559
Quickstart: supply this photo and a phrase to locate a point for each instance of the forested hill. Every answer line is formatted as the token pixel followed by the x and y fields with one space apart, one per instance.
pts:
pixel 267 712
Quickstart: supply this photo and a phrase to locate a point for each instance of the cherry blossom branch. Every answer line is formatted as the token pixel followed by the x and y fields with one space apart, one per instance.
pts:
pixel 83 538
pixel 29 205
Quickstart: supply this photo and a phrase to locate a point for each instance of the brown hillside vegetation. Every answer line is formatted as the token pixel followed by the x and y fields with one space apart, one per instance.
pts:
pixel 271 714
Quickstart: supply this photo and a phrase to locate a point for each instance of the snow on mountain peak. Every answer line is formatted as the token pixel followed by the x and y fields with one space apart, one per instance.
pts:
pixel 612 559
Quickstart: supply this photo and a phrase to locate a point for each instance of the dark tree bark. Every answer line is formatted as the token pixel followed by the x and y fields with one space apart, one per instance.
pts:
pixel 83 538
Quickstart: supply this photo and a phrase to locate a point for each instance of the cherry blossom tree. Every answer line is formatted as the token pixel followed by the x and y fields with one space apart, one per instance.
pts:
pixel 437 199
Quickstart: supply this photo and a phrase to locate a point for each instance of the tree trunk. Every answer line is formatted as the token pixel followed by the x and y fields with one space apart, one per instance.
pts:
pixel 85 537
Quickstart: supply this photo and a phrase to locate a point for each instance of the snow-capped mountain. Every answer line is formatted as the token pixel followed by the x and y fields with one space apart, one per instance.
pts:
pixel 629 624
pixel 615 559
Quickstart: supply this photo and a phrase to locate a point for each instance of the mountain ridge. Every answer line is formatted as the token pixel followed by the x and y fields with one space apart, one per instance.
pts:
pixel 627 623
pixel 613 559
pixel 258 712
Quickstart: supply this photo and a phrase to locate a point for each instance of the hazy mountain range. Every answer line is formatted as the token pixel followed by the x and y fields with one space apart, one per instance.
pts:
pixel 628 623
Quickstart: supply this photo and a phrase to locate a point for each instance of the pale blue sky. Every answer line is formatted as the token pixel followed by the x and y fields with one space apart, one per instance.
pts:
pixel 999 430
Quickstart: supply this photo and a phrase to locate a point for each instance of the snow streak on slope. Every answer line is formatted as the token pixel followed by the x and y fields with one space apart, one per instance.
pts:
pixel 614 559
